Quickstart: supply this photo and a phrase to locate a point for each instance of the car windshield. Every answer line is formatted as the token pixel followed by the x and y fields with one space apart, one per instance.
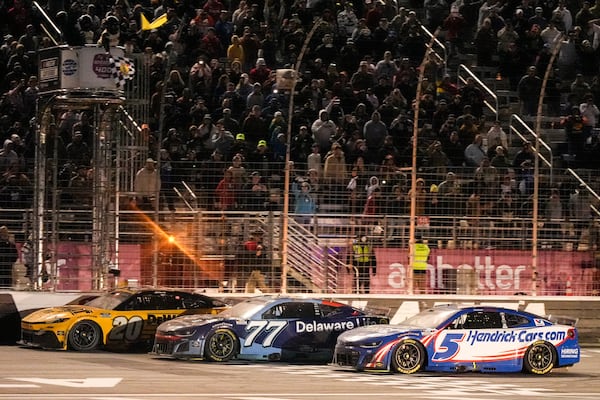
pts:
pixel 243 310
pixel 431 318
pixel 109 301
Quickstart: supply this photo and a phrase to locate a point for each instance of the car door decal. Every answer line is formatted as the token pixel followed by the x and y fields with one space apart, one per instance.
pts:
pixel 274 327
pixel 126 329
pixel 449 347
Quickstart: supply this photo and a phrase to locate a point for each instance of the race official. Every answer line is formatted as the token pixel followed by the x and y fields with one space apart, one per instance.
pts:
pixel 419 266
pixel 364 261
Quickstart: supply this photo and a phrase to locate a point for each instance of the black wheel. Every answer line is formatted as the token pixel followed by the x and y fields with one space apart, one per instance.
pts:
pixel 221 345
pixel 540 358
pixel 409 357
pixel 84 336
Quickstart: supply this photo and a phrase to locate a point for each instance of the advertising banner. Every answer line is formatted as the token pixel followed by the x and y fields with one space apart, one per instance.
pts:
pixel 504 272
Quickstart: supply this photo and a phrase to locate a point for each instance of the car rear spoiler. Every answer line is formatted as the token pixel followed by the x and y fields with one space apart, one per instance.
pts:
pixel 562 320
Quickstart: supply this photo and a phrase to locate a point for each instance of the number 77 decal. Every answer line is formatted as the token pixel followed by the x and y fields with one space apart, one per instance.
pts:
pixel 256 327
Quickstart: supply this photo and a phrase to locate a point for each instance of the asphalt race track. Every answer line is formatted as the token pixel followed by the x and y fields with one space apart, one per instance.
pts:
pixel 38 374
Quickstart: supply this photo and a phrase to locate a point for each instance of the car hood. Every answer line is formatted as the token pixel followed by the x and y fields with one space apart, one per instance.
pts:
pixel 54 313
pixel 376 331
pixel 188 320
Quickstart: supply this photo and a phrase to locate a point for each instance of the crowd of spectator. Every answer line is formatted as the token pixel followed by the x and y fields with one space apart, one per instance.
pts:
pixel 212 69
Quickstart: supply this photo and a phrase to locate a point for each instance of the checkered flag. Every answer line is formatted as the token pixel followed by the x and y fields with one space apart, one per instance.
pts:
pixel 123 69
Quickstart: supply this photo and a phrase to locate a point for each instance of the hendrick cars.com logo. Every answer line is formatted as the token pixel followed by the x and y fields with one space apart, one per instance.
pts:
pixel 101 66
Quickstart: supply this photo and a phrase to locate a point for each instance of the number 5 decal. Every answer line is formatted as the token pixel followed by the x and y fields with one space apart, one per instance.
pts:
pixel 449 347
pixel 256 327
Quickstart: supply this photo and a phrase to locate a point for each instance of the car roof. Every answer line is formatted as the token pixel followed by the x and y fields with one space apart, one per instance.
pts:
pixel 482 307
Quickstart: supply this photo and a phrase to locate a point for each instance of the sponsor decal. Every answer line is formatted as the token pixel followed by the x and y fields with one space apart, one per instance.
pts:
pixel 569 353
pixel 315 326
pixel 476 336
pixel 102 66
pixel 69 67
pixel 159 319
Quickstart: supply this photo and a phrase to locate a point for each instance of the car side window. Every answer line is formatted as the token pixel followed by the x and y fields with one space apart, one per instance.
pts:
pixel 327 310
pixel 193 302
pixel 515 320
pixel 141 301
pixel 291 310
pixel 170 301
pixel 477 320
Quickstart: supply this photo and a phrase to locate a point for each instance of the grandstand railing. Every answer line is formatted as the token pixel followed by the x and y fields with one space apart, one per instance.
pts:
pixel 524 132
pixel 490 98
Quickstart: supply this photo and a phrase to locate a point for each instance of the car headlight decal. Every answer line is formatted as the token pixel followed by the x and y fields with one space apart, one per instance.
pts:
pixel 371 345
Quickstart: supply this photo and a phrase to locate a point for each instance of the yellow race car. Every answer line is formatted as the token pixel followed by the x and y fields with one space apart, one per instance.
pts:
pixel 123 317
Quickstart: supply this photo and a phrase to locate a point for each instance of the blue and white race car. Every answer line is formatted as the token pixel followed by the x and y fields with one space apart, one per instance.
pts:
pixel 461 338
pixel 263 328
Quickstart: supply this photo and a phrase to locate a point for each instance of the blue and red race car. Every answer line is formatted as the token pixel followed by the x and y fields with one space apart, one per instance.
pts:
pixel 461 338
pixel 263 328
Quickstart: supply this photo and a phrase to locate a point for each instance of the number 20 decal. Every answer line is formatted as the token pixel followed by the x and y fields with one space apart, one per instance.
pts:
pixel 449 347
pixel 126 329
pixel 256 327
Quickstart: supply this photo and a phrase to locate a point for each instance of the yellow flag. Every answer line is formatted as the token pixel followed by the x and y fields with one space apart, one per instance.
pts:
pixel 157 23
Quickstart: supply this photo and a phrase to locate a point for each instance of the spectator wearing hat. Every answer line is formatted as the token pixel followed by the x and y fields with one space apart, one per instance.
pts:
pixel 210 44
pixel 314 160
pixel 260 73
pixel 485 43
pixel 525 154
pixel 256 97
pixel 347 20
pixel 579 89
pixel 254 193
pixel 261 159
pixel 255 262
pixel 528 89
pixel 240 146
pixel 80 188
pixel 305 204
pixel 362 79
pixel 327 52
pixel 456 27
pixel 539 19
pixel 349 56
pixel 225 193
pixel 454 149
pixel 300 148
pixel 436 12
pixel 227 120
pixel 211 172
pixel 386 67
pixel 78 152
pixel 254 126
pixel 147 186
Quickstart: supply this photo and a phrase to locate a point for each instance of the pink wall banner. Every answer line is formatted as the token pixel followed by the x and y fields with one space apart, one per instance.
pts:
pixel 495 272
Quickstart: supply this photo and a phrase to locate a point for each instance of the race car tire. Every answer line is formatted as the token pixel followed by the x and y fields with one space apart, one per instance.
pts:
pixel 84 336
pixel 409 357
pixel 221 345
pixel 539 358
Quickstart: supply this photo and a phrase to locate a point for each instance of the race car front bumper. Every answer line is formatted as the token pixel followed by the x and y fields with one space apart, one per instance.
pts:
pixel 40 338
